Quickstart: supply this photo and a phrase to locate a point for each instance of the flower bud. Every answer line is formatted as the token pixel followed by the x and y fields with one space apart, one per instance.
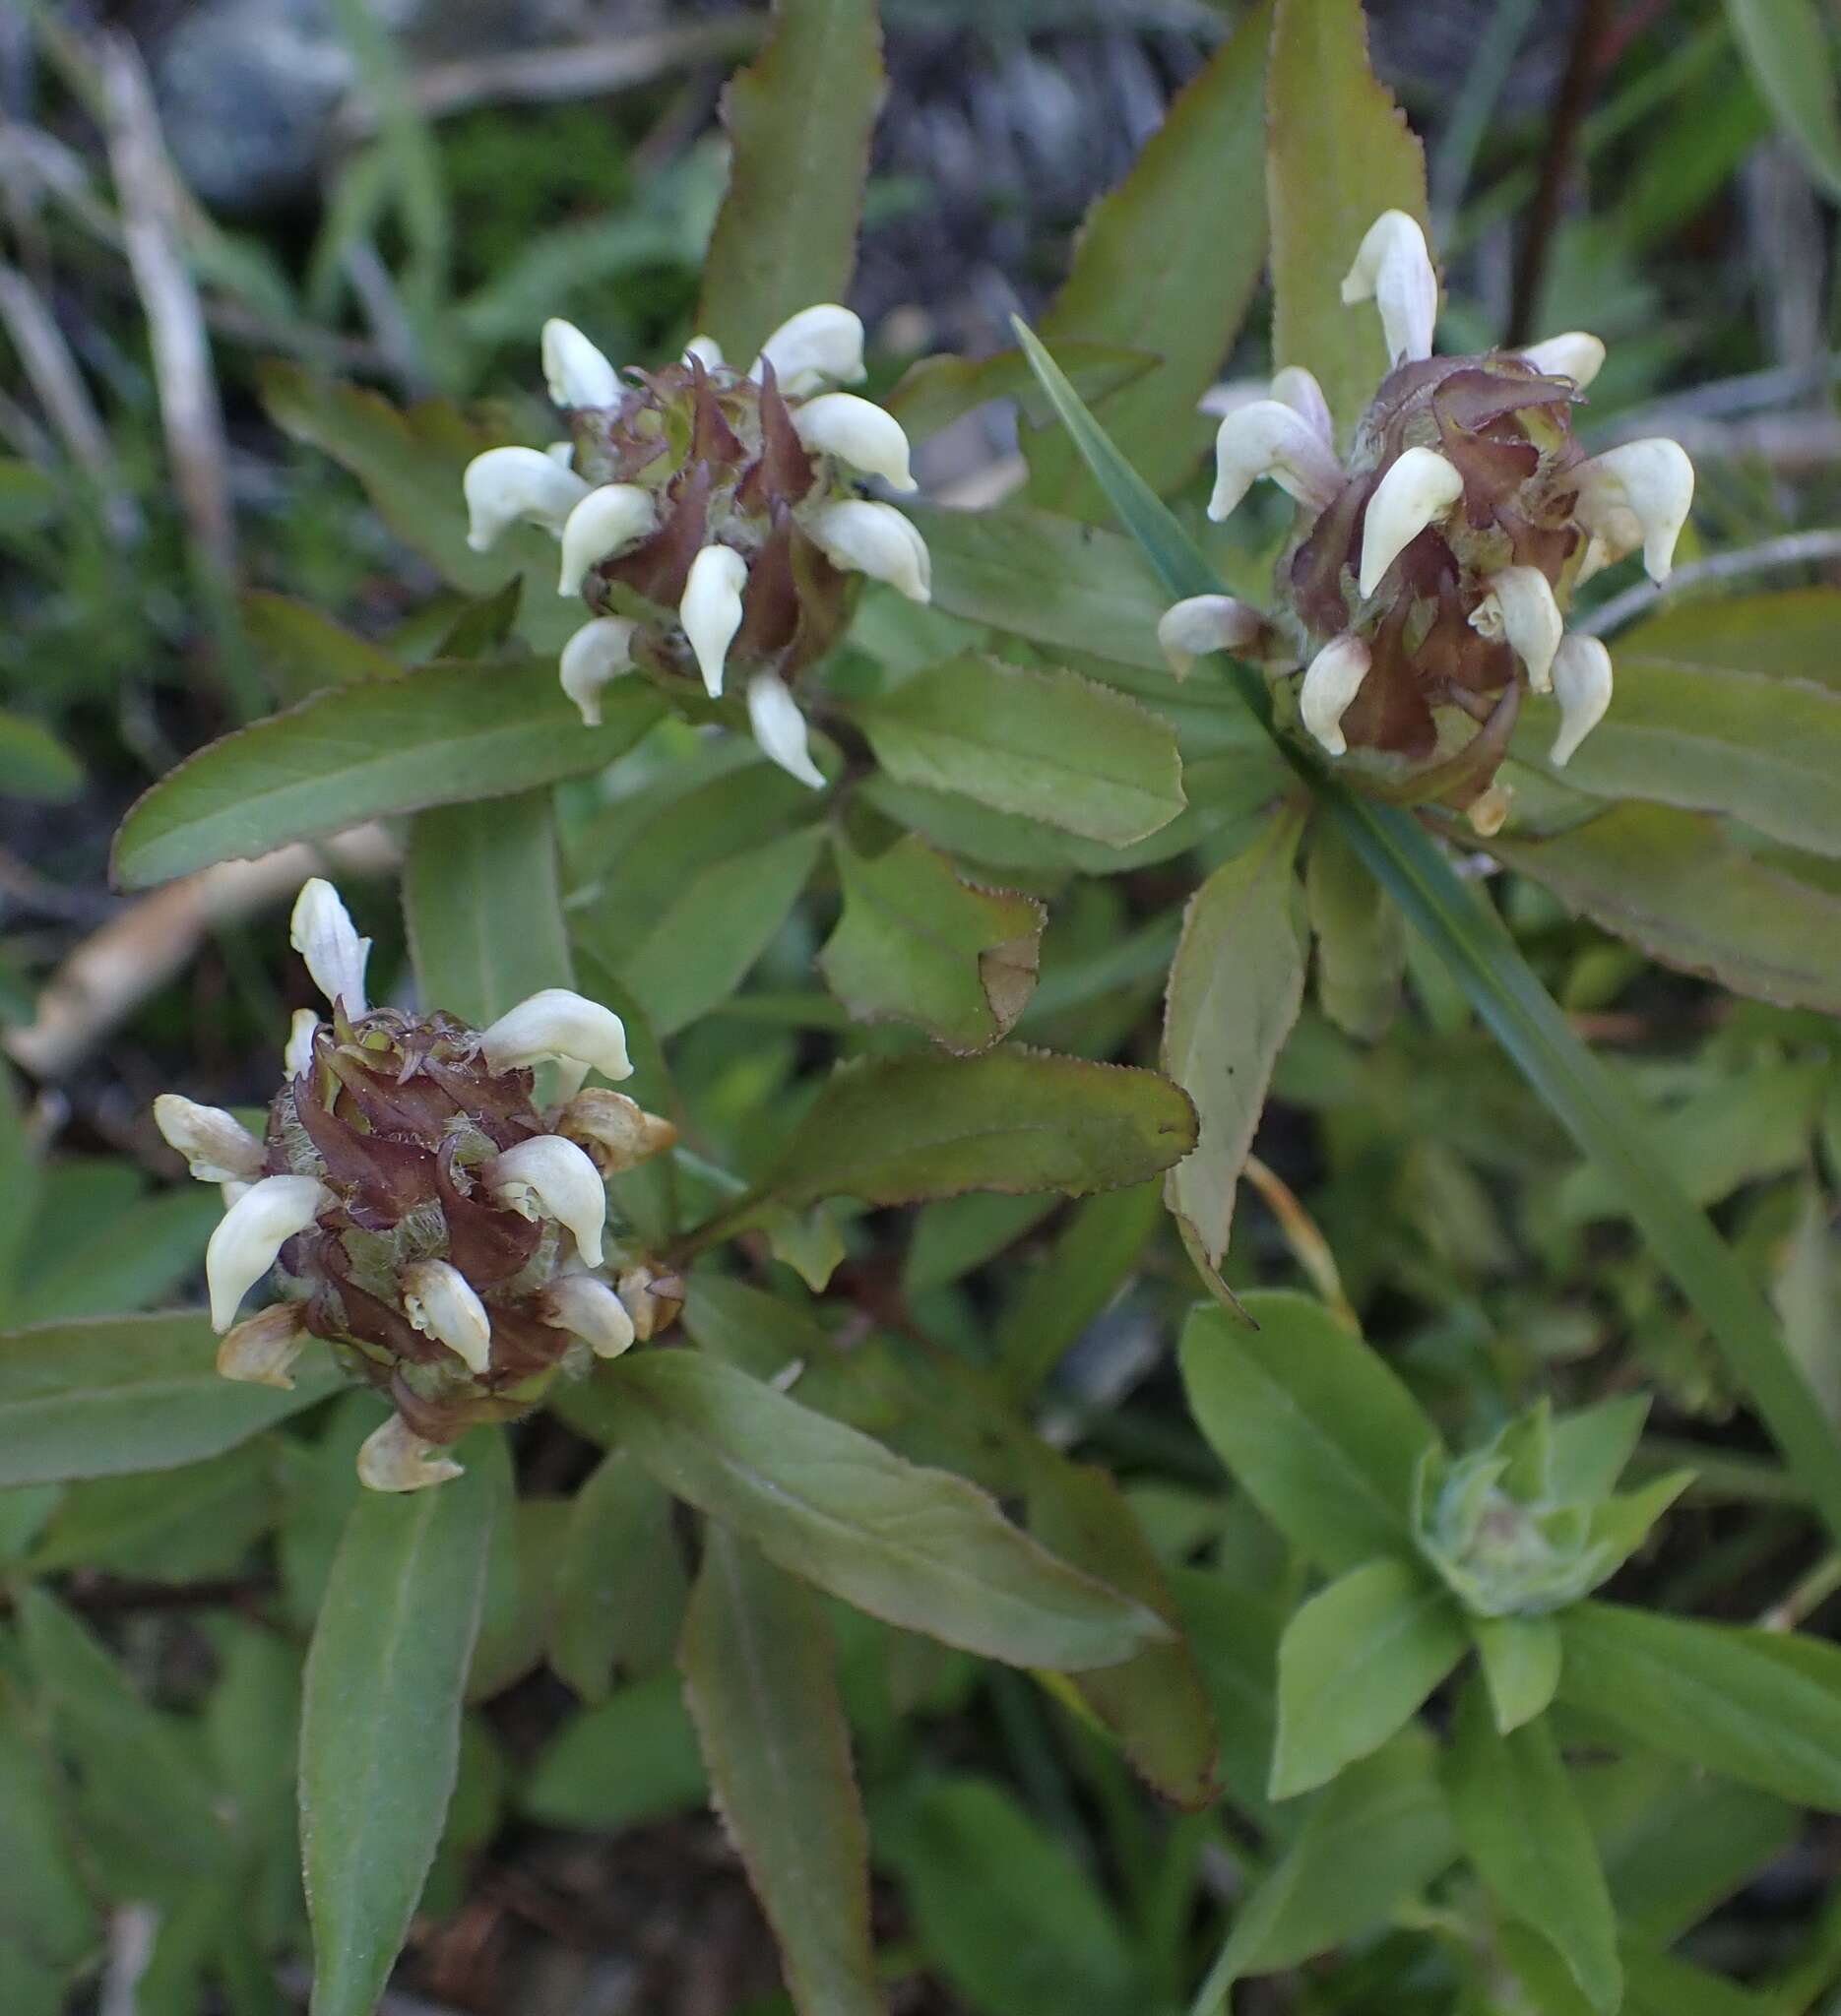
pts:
pixel 394 1458
pixel 652 1298
pixel 617 1133
pixel 216 1146
pixel 261 1350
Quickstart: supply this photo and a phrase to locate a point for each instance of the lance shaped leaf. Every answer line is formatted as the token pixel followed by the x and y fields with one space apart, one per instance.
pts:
pixel 900 1130
pixel 918 944
pixel 799 119
pixel 915 1547
pixel 1235 990
pixel 1523 1828
pixel 1141 278
pixel 761 1676
pixel 380 1722
pixel 1339 153
pixel 116 1394
pixel 440 736
pixel 1048 745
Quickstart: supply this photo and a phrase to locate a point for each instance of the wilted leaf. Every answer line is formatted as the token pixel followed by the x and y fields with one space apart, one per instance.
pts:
pixel 1235 990
pixel 440 735
pixel 761 1676
pixel 1340 153
pixel 916 1548
pixel 917 944
pixel 899 1130
pixel 1048 745
pixel 799 119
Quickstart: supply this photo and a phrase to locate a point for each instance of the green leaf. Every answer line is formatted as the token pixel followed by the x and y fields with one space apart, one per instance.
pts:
pixel 1141 278
pixel 380 1723
pixel 1361 946
pixel 1235 990
pixel 18 1185
pixel 33 763
pixel 440 735
pixel 1763 1707
pixel 124 1260
pixel 1003 1912
pixel 144 1798
pixel 1355 1663
pixel 1048 745
pixel 1523 1828
pixel 1589 1447
pixel 1154 1704
pixel 45 1909
pixel 1718 726
pixel 933 391
pixel 1379 1834
pixel 761 1676
pixel 1340 153
pixel 484 905
pixel 799 120
pixel 1094 1256
pixel 631 1761
pixel 303 650
pixel 916 1548
pixel 1675 886
pixel 719 921
pixel 165 1526
pixel 410 462
pixel 917 944
pixel 1312 1423
pixel 128 1393
pixel 899 1130
pixel 1787 49
pixel 1235 1635
pixel 620 1582
pixel 1520 1659
pixel 1062 584
pixel 1660 1984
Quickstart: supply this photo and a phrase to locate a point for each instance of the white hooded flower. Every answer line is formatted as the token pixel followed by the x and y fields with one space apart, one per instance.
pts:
pixel 298 1054
pixel 587 1308
pixel 1520 608
pixel 1638 494
pixel 576 372
pixel 1205 623
pixel 549 1176
pixel 1394 269
pixel 605 523
pixel 877 540
pixel 856 431
pixel 711 611
pixel 779 729
pixel 594 656
pixel 218 1148
pixel 1575 355
pixel 1330 684
pixel 557 1024
pixel 1582 686
pixel 1270 438
pixel 505 485
pixel 321 930
pixel 439 1299
pixel 250 1235
pixel 816 346
pixel 1420 487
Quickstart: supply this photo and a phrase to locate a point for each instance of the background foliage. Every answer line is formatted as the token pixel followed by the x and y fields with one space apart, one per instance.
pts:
pixel 1195 1689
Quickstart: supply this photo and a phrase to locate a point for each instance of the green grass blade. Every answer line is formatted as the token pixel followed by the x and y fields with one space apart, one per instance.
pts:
pixel 1602 1118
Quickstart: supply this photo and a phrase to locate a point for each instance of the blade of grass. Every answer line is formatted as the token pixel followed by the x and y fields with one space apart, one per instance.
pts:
pixel 1602 1118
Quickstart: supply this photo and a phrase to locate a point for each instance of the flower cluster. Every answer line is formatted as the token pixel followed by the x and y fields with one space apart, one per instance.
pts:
pixel 1424 591
pixel 710 518
pixel 429 1222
